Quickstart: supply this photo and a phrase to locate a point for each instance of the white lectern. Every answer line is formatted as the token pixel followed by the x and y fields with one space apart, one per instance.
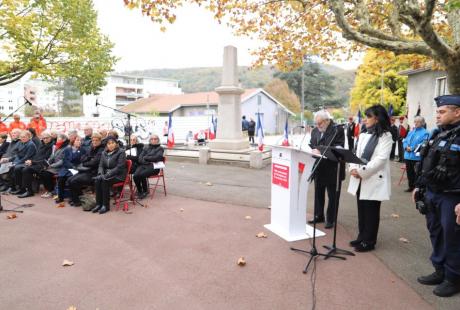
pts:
pixel 291 168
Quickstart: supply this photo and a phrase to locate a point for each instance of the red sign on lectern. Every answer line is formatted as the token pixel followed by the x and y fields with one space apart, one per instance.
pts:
pixel 280 175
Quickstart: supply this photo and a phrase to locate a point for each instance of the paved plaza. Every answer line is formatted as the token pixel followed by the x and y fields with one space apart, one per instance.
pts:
pixel 181 252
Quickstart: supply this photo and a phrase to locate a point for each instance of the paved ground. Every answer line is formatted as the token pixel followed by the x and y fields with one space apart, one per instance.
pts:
pixel 252 188
pixel 162 258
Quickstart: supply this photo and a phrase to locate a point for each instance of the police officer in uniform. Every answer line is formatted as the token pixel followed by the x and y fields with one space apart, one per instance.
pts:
pixel 437 195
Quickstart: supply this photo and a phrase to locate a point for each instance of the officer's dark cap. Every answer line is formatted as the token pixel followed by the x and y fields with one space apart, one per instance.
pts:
pixel 448 100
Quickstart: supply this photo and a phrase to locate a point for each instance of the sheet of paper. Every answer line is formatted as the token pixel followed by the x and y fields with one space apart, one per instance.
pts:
pixel 131 152
pixel 5 167
pixel 73 171
pixel 158 165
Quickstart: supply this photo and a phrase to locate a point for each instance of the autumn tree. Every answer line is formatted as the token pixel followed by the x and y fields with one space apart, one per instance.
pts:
pixel 281 91
pixel 54 39
pixel 380 68
pixel 292 29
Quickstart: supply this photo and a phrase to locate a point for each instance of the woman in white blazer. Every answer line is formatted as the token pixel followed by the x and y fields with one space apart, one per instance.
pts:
pixel 371 182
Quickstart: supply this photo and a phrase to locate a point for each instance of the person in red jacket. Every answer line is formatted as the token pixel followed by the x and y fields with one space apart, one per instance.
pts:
pixel 38 123
pixel 3 128
pixel 16 123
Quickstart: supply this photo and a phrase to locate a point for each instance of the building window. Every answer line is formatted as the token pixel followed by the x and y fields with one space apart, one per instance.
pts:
pixel 441 87
pixel 11 108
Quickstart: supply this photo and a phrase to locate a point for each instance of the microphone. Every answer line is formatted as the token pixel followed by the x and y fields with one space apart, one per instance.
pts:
pixel 27 101
pixel 300 126
pixel 97 103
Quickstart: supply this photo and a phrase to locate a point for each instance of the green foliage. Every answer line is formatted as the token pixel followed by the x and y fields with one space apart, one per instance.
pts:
pixel 319 86
pixel 54 39
pixel 70 101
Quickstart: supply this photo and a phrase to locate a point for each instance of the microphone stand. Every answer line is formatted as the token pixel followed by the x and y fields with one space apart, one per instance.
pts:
pixel 20 107
pixel 314 251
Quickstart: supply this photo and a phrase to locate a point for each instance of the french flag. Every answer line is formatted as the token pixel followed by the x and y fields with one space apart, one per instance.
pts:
pixel 170 133
pixel 212 129
pixel 286 135
pixel 260 133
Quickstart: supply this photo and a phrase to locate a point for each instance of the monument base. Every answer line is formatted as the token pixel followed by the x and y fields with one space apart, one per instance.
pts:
pixel 294 237
pixel 229 144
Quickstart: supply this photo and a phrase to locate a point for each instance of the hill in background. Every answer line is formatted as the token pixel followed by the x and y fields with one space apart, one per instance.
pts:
pixel 207 79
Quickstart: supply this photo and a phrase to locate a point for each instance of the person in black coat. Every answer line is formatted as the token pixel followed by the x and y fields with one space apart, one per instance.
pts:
pixel 251 130
pixel 112 169
pixel 394 136
pixel 33 166
pixel 11 151
pixel 326 174
pixel 133 152
pixel 87 170
pixel 3 144
pixel 35 139
pixel 86 144
pixel 351 133
pixel 152 153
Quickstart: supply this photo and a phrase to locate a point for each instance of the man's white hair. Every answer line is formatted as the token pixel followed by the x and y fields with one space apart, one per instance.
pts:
pixel 323 114
pixel 421 119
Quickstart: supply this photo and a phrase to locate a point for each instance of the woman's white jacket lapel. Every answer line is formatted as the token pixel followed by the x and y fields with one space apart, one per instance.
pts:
pixel 376 178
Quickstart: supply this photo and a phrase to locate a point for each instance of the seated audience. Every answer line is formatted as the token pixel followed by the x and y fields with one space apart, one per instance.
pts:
pixel 133 152
pixel 34 166
pixel 151 154
pixel 87 170
pixel 112 169
pixel 3 144
pixel 26 150
pixel 58 165
pixel 86 144
pixel 35 139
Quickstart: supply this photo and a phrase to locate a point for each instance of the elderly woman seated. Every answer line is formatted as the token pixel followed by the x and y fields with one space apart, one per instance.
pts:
pixel 151 154
pixel 112 169
pixel 59 164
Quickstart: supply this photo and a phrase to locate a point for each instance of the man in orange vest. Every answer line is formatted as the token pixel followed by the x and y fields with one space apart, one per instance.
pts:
pixel 3 128
pixel 38 123
pixel 17 123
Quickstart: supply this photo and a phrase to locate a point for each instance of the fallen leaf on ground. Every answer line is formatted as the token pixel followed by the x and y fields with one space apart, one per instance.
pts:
pixel 394 215
pixel 67 263
pixel 11 216
pixel 248 217
pixel 60 205
pixel 72 308
pixel 208 183
pixel 181 210
pixel 261 235
pixel 241 261
pixel 403 240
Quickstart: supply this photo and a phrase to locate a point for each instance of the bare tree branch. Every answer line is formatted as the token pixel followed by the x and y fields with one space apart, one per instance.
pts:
pixel 13 79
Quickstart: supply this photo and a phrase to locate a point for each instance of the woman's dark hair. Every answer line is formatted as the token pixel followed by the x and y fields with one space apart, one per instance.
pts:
pixel 32 131
pixel 383 120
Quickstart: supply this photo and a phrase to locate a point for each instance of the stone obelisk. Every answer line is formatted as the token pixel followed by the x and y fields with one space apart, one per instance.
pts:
pixel 229 135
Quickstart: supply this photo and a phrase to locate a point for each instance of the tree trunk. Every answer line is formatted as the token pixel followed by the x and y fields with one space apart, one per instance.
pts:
pixel 453 76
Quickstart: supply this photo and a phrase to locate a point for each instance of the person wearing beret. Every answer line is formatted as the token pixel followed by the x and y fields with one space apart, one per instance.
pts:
pixel 112 169
pixel 371 182
pixel 437 196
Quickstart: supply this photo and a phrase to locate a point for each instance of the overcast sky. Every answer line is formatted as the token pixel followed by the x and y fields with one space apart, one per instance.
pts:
pixel 194 40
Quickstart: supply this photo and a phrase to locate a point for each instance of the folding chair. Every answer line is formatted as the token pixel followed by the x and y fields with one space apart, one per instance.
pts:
pixel 403 168
pixel 121 186
pixel 153 186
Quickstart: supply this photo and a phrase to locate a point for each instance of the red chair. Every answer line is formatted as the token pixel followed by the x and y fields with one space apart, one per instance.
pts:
pixel 403 168
pixel 160 176
pixel 121 186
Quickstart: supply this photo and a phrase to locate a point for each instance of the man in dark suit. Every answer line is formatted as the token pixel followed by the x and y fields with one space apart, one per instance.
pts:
pixel 3 144
pixel 351 133
pixel 326 175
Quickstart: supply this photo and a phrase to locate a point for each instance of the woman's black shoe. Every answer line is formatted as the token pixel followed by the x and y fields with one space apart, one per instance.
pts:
pixel 59 200
pixel 364 247
pixel 356 242
pixel 18 192
pixel 96 209
pixel 26 194
pixel 103 210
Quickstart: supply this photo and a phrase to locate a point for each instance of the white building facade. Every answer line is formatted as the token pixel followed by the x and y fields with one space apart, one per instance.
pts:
pixel 121 90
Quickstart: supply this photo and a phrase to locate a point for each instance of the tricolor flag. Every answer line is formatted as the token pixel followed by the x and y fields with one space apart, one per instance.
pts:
pixel 260 133
pixel 212 129
pixel 358 124
pixel 390 110
pixel 170 133
pixel 286 135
